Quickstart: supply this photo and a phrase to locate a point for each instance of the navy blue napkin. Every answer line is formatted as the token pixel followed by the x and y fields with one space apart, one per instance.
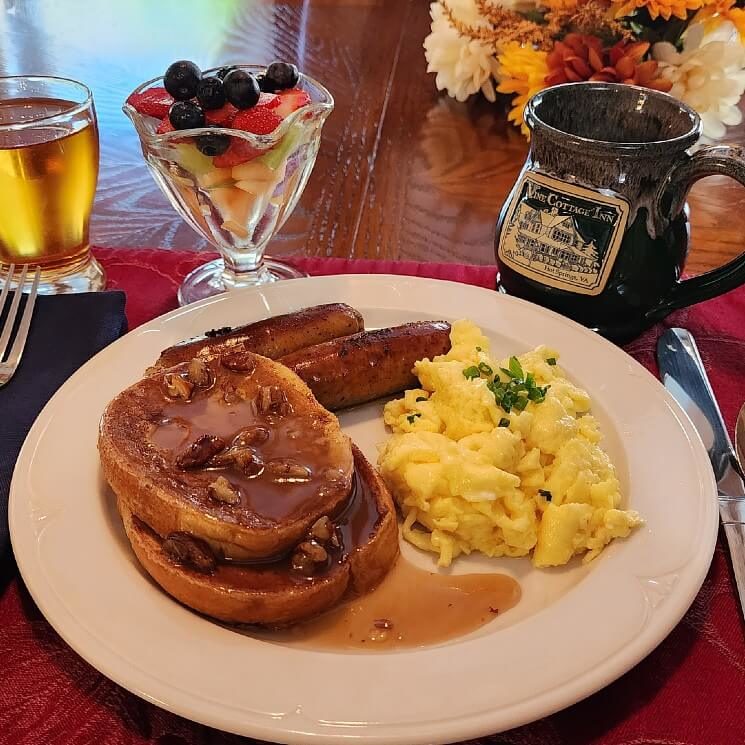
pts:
pixel 66 331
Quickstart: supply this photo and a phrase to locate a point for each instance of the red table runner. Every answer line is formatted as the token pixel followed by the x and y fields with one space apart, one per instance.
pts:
pixel 689 691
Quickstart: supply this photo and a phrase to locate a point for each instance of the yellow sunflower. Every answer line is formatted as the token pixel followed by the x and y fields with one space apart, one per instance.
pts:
pixel 662 8
pixel 522 70
pixel 713 13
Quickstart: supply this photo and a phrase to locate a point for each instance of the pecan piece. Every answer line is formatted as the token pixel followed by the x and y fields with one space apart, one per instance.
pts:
pixel 222 490
pixel 247 461
pixel 322 529
pixel 238 360
pixel 200 451
pixel 177 387
pixel 287 470
pixel 308 557
pixel 249 436
pixel 273 400
pixel 199 373
pixel 191 551
pixel 316 552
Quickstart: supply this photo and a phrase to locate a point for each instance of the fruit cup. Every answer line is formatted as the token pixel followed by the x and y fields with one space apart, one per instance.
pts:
pixel 236 197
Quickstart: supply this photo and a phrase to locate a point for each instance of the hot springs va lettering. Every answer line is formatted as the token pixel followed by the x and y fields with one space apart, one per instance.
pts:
pixel 562 235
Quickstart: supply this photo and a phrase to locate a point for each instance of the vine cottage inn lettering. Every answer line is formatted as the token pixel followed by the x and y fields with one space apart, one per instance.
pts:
pixel 562 235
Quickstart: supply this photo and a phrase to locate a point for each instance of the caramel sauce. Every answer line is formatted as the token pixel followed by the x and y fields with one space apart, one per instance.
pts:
pixel 410 608
pixel 291 436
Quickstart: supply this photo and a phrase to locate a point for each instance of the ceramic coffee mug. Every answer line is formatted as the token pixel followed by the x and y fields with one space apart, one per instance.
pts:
pixel 596 226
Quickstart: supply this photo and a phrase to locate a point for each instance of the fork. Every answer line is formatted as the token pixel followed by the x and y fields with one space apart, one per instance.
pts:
pixel 9 365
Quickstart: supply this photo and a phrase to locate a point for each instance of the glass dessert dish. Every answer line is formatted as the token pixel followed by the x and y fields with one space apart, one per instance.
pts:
pixel 238 198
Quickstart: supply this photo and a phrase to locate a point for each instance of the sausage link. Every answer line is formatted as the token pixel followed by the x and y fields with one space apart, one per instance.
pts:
pixel 270 337
pixel 368 365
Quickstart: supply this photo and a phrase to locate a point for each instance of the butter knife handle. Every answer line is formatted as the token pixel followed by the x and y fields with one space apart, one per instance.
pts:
pixel 683 372
pixel 735 533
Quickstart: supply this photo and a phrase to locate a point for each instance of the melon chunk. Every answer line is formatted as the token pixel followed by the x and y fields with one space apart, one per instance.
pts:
pixel 254 171
pixel 233 204
pixel 215 177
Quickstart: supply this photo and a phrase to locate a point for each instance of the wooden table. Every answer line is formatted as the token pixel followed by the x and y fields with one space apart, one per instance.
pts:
pixel 403 171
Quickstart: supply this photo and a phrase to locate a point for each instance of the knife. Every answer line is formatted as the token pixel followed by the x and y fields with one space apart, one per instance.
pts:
pixel 682 373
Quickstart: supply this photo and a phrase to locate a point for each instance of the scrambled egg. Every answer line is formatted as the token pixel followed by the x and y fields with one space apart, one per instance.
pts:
pixel 469 475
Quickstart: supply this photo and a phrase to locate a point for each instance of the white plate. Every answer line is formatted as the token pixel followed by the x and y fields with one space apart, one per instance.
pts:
pixel 575 630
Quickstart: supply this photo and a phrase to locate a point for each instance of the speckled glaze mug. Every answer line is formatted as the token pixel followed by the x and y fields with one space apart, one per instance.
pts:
pixel 596 226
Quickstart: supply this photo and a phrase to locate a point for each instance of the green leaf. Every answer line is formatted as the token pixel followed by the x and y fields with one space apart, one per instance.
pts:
pixel 484 369
pixel 471 372
pixel 507 372
pixel 504 422
pixel 551 361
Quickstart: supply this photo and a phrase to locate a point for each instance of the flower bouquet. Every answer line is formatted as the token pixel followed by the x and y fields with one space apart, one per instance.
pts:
pixel 693 49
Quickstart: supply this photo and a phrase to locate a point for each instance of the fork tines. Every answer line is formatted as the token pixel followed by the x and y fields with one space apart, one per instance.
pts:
pixel 9 363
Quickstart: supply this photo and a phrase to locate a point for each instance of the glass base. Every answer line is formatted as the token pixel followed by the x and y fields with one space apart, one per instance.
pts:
pixel 86 277
pixel 212 279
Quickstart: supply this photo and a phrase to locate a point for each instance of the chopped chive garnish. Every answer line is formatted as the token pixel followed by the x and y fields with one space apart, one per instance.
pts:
pixel 478 349
pixel 411 418
pixel 518 390
pixel 504 422
pixel 551 360
pixel 421 398
pixel 484 369
pixel 471 372
pixel 516 368
pixel 546 493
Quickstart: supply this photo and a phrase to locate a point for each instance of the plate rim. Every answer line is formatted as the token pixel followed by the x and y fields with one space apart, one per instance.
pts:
pixel 467 726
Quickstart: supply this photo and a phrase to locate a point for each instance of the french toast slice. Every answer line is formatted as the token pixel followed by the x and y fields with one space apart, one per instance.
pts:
pixel 233 449
pixel 277 594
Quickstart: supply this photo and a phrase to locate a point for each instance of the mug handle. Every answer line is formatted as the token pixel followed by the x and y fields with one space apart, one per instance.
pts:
pixel 718 160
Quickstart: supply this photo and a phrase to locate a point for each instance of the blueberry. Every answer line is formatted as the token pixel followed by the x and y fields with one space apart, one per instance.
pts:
pixel 181 80
pixel 280 75
pixel 211 145
pixel 210 93
pixel 186 115
pixel 223 71
pixel 241 89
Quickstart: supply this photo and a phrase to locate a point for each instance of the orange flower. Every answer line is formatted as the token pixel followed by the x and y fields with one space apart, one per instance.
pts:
pixel 522 70
pixel 580 57
pixel 559 4
pixel 722 10
pixel 662 8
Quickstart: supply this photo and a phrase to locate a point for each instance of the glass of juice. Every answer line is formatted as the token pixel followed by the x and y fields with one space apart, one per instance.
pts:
pixel 48 174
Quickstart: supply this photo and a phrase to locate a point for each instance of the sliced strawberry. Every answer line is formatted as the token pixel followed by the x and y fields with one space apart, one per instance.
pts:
pixel 261 120
pixel 238 152
pixel 165 126
pixel 221 117
pixel 270 100
pixel 291 100
pixel 152 102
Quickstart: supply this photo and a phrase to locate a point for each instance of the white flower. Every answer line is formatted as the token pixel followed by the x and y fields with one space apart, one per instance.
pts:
pixel 708 75
pixel 463 65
